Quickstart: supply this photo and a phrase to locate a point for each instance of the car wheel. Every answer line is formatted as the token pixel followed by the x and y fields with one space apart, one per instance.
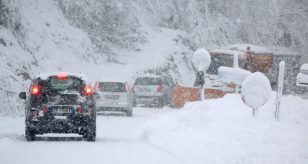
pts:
pixel 129 112
pixel 90 132
pixel 30 135
pixel 160 103
pixel 134 103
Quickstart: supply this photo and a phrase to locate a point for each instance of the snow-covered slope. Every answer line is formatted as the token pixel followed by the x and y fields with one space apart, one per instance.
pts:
pixel 224 131
pixel 119 38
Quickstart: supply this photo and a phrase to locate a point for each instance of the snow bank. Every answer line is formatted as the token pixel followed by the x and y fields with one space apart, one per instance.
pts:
pixel 256 90
pixel 232 75
pixel 222 131
pixel 201 59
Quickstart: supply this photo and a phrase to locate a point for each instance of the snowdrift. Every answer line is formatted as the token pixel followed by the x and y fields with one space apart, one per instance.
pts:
pixel 224 131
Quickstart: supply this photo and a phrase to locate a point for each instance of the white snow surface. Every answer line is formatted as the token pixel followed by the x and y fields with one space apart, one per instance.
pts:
pixel 256 90
pixel 226 51
pixel 232 75
pixel 221 131
pixel 201 59
pixel 241 49
pixel 214 131
pixel 253 48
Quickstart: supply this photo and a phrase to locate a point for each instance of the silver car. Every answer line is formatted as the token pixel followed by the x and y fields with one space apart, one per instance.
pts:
pixel 154 90
pixel 113 96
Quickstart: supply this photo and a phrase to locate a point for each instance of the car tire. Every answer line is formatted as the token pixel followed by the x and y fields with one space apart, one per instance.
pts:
pixel 134 103
pixel 160 103
pixel 90 132
pixel 30 135
pixel 129 112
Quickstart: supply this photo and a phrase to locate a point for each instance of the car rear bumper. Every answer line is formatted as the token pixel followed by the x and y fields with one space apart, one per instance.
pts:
pixel 148 99
pixel 302 80
pixel 113 105
pixel 112 109
pixel 76 124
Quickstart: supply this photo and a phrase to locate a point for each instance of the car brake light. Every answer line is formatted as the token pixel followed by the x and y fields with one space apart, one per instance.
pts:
pixel 44 109
pixel 87 90
pixel 79 110
pixel 126 88
pixel 36 90
pixel 96 86
pixel 159 88
pixel 62 75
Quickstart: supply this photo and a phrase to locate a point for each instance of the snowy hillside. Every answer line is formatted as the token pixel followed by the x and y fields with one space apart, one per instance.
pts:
pixel 102 32
pixel 112 39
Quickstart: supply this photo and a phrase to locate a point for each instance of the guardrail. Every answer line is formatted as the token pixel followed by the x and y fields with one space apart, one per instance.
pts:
pixel 9 88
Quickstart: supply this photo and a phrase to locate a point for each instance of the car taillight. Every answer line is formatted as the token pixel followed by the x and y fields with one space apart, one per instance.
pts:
pixel 44 109
pixel 79 110
pixel 159 88
pixel 87 90
pixel 62 76
pixel 96 86
pixel 36 90
pixel 126 88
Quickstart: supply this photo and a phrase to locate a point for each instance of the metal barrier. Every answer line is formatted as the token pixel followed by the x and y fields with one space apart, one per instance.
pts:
pixel 9 88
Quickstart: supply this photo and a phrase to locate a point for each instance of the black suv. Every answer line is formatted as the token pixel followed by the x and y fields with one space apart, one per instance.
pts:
pixel 60 103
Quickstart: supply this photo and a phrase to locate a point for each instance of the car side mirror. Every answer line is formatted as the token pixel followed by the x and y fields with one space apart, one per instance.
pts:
pixel 96 95
pixel 22 95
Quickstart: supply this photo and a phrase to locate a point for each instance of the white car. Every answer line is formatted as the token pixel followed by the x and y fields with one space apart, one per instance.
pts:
pixel 113 96
pixel 302 76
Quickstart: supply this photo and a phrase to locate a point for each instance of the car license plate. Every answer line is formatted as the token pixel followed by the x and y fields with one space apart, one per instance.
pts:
pixel 61 117
pixel 145 90
pixel 61 111
pixel 112 96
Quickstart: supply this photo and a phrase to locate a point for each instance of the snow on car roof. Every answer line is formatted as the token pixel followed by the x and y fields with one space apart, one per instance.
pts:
pixel 113 80
pixel 150 75
pixel 45 76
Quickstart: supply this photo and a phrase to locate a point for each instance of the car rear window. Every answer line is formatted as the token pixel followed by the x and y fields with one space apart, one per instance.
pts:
pixel 111 87
pixel 68 83
pixel 148 81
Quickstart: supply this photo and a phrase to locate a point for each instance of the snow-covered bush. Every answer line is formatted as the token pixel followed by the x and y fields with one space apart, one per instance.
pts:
pixel 256 90
pixel 201 59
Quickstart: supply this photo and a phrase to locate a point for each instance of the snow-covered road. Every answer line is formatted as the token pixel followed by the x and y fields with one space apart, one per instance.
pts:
pixel 119 140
